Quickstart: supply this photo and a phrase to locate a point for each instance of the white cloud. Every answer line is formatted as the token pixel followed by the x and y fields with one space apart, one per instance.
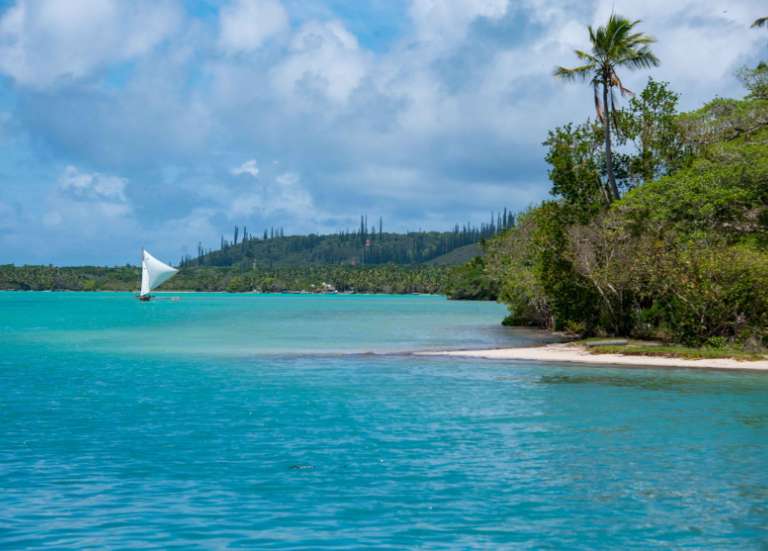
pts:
pixel 447 20
pixel 245 25
pixel 42 41
pixel 284 195
pixel 191 228
pixel 248 167
pixel 325 59
pixel 92 185
pixel 86 199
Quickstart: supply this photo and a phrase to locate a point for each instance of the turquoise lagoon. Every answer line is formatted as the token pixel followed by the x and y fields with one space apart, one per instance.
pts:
pixel 301 422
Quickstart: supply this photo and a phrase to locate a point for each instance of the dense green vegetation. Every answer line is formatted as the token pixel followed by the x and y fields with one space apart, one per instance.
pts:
pixel 682 256
pixel 458 257
pixel 376 279
pixel 473 281
pixel 659 223
pixel 81 278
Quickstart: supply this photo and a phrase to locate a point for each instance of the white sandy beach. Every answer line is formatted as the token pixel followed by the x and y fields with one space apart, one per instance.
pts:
pixel 579 354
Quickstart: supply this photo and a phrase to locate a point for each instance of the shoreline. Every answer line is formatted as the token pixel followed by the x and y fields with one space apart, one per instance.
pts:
pixel 570 353
pixel 172 292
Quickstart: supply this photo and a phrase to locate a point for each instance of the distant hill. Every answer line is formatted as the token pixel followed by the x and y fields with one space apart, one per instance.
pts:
pixel 364 247
pixel 458 256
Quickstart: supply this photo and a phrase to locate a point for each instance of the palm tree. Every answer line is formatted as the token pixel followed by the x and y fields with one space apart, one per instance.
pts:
pixel 614 45
pixel 760 22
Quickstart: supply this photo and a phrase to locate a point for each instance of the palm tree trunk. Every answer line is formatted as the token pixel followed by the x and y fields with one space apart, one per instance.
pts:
pixel 607 114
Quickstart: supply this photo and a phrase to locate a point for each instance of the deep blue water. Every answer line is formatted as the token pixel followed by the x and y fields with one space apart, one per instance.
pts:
pixel 262 422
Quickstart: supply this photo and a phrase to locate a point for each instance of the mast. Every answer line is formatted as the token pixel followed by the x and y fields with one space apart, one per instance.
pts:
pixel 141 266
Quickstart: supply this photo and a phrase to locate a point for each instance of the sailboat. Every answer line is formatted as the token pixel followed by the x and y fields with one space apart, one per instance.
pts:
pixel 153 274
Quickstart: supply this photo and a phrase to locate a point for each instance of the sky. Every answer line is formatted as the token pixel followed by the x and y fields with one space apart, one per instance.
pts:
pixel 164 123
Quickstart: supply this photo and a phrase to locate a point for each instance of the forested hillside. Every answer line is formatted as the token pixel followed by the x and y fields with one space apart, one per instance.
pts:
pixel 365 246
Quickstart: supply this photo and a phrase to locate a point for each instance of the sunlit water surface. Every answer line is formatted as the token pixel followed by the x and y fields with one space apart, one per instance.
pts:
pixel 298 422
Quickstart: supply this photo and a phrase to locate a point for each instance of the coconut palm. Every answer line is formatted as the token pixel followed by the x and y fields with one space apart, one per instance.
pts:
pixel 612 46
pixel 760 22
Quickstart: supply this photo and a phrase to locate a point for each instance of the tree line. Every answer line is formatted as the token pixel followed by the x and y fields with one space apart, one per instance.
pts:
pixel 357 279
pixel 367 245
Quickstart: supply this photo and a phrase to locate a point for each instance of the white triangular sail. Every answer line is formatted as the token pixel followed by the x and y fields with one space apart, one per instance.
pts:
pixel 154 273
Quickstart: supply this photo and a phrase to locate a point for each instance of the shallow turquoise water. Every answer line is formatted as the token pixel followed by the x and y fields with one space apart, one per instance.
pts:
pixel 241 421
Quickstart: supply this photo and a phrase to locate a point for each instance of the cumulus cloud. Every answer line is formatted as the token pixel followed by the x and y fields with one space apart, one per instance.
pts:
pixel 196 225
pixel 42 41
pixel 248 167
pixel 445 21
pixel 153 117
pixel 325 60
pixel 88 217
pixel 87 199
pixel 284 195
pixel 92 185
pixel 244 25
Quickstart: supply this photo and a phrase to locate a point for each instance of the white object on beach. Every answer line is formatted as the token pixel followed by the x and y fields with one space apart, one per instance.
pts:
pixel 153 273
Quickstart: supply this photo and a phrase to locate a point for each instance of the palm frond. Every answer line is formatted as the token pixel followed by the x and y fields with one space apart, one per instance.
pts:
pixel 592 38
pixel 616 33
pixel 584 56
pixel 582 72
pixel 639 39
pixel 642 58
